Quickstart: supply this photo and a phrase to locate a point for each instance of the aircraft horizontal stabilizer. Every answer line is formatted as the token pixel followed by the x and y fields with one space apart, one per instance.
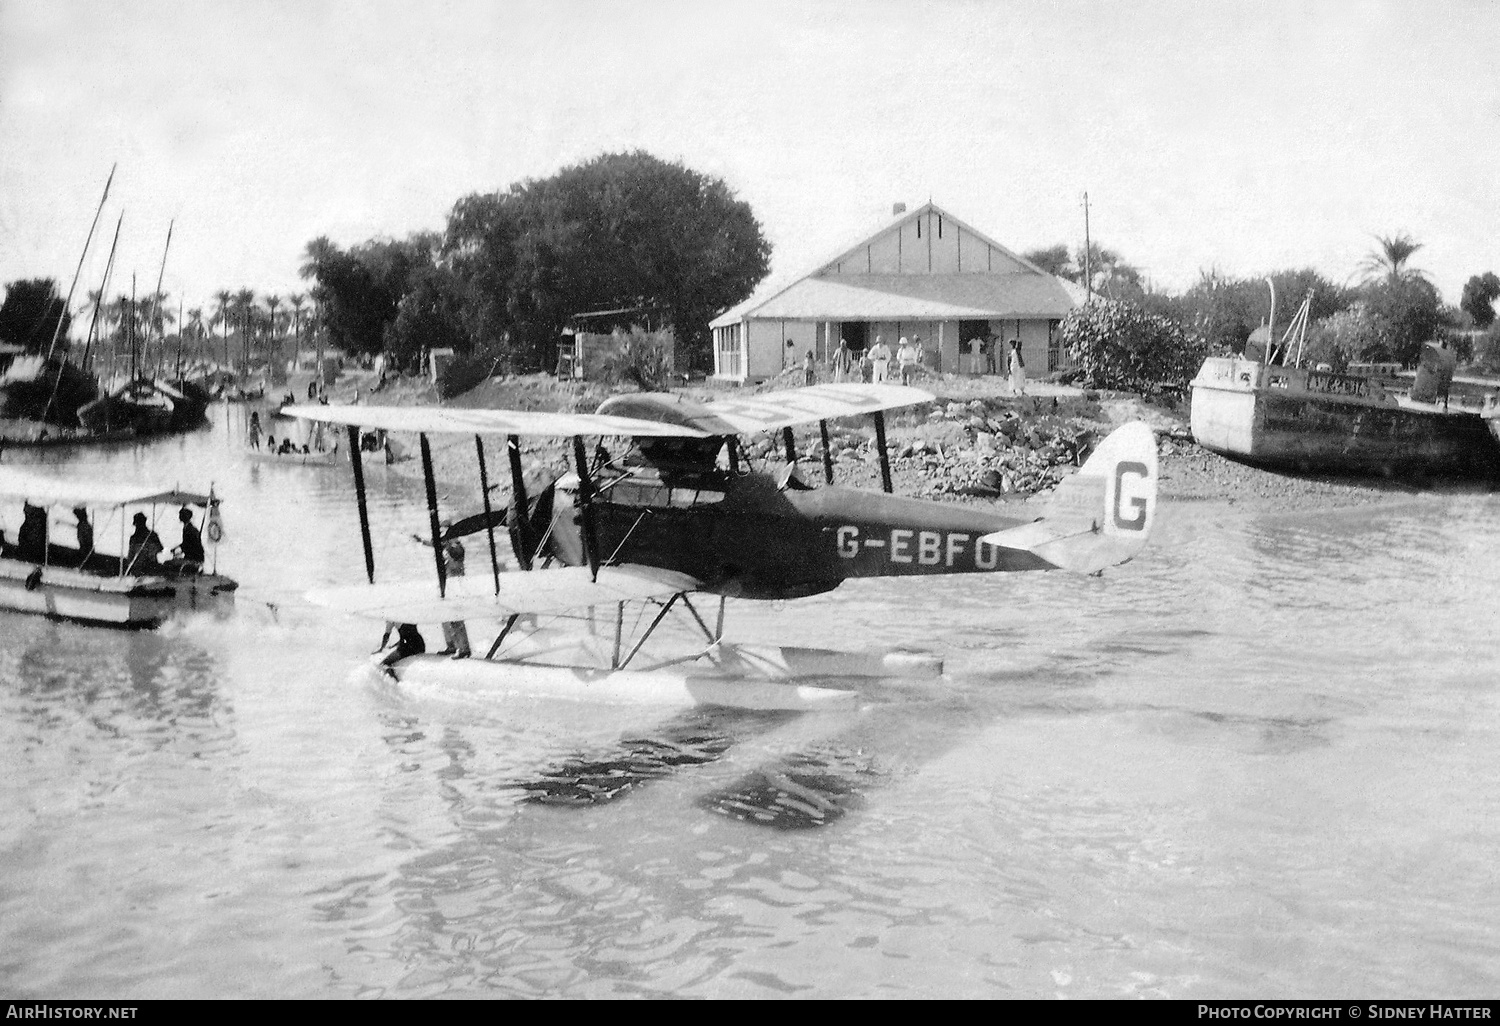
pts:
pixel 1102 515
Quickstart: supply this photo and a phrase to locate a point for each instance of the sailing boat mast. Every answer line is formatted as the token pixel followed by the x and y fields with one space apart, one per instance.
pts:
pixel 109 266
pixel 67 303
pixel 161 343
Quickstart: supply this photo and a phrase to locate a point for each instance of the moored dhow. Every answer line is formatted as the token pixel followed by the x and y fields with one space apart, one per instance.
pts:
pixel 1295 418
pixel 132 589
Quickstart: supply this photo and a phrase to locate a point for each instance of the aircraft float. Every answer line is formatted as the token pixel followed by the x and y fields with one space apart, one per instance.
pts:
pixel 679 513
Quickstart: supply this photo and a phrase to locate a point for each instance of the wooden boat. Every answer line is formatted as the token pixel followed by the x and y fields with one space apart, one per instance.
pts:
pixel 142 404
pixel 1296 418
pixel 123 590
pixel 296 458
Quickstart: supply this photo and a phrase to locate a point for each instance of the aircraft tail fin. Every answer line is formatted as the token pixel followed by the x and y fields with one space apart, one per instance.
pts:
pixel 1102 515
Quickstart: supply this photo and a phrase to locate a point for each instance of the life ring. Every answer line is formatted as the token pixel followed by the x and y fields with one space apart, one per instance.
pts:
pixel 215 532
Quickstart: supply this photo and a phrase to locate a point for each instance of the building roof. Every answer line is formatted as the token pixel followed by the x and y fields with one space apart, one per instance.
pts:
pixel 820 295
pixel 887 297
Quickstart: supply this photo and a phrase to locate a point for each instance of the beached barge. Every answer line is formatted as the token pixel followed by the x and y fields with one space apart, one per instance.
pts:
pixel 1294 418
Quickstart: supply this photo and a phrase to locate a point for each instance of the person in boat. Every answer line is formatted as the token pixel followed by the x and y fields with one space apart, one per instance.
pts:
pixel 255 429
pixel 144 549
pixel 31 539
pixel 191 549
pixel 85 533
pixel 286 447
pixel 409 642
pixel 455 634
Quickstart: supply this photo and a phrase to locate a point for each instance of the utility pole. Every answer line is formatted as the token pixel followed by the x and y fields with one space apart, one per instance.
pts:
pixel 1088 275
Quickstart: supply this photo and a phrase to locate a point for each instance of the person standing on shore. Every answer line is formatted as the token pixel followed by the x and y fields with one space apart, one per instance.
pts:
pixel 880 360
pixel 841 361
pixel 255 429
pixel 1017 368
pixel 808 373
pixel 908 355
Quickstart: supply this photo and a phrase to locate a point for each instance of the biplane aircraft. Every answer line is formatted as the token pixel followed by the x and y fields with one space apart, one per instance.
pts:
pixel 679 513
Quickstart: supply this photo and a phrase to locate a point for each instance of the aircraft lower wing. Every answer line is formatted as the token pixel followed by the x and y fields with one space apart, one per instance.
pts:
pixel 556 590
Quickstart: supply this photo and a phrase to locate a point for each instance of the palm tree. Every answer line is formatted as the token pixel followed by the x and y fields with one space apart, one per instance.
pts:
pixel 1389 262
pixel 224 299
pixel 244 302
pixel 195 328
pixel 298 300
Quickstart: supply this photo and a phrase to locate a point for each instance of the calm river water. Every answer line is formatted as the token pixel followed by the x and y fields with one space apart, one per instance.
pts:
pixel 1260 761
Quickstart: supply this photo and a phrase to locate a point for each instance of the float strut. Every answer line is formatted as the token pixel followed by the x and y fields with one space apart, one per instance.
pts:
pixel 510 622
pixel 790 443
pixel 356 460
pixel 664 610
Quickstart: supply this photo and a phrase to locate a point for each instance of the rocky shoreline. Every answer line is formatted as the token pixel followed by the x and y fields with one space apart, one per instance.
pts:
pixel 975 444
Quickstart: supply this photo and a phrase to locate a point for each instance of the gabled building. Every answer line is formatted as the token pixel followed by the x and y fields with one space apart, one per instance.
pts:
pixel 925 274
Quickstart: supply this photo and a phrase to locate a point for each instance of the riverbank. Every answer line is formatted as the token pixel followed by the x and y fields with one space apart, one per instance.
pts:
pixel 976 443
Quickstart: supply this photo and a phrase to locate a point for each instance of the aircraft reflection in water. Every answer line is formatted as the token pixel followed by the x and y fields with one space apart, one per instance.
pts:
pixel 679 514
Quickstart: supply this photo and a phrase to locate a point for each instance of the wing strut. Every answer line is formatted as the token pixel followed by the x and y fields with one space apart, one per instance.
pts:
pixel 827 453
pixel 518 501
pixel 885 460
pixel 489 520
pixel 586 506
pixel 432 515
pixel 356 460
pixel 791 445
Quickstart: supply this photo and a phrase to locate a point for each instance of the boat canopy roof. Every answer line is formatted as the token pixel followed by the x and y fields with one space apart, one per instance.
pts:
pixel 41 490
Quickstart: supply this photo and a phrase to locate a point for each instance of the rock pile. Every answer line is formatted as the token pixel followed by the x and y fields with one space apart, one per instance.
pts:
pixel 981 447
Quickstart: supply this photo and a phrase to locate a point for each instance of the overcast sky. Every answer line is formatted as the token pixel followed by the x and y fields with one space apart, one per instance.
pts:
pixel 1240 136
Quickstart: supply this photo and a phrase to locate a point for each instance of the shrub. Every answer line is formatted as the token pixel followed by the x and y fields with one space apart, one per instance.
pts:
pixel 641 357
pixel 1119 345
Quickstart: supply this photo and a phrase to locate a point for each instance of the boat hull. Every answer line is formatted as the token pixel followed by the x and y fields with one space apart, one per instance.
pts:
pixel 129 602
pixel 294 459
pixel 1292 419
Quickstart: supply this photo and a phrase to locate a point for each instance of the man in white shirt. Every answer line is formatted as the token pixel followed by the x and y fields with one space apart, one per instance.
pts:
pixel 880 360
pixel 908 356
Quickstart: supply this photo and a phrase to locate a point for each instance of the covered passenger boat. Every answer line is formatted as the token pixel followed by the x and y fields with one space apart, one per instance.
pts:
pixel 130 587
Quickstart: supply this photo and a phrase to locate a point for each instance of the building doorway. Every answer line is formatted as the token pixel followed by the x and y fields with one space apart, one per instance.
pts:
pixel 854 333
pixel 975 350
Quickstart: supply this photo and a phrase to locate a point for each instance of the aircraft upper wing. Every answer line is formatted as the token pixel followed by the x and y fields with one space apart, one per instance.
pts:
pixel 557 590
pixel 804 406
pixel 436 420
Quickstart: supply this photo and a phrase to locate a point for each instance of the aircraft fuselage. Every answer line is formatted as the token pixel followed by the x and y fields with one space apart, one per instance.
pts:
pixel 744 536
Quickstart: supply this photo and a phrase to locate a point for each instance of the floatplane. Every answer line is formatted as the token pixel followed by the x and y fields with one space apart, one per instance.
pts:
pixel 680 514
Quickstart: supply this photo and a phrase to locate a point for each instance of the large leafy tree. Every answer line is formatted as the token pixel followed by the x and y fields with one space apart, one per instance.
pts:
pixel 1054 260
pixel 622 231
pixel 359 292
pixel 30 314
pixel 1480 293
